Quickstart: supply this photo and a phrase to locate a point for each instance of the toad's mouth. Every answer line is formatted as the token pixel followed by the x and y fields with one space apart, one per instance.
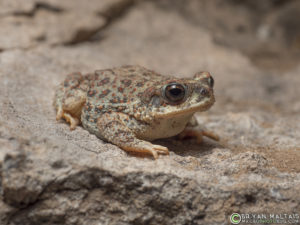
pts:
pixel 203 106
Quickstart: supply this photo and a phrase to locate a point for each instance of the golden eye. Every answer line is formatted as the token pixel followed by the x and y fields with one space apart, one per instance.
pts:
pixel 174 93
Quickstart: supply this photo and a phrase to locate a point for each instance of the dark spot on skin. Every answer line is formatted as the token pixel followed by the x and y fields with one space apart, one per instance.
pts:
pixel 120 89
pixel 112 124
pixel 90 77
pixel 121 108
pixel 103 82
pixel 125 99
pixel 140 84
pixel 72 81
pixel 104 93
pixel 147 74
pixel 140 105
pixel 109 109
pixel 87 117
pixel 130 139
pixel 115 100
pixel 132 75
pixel 88 107
pixel 126 82
pixel 99 109
pixel 126 135
pixel 130 124
pixel 92 93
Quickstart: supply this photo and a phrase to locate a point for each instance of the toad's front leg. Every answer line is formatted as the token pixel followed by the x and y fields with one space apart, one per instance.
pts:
pixel 192 130
pixel 113 128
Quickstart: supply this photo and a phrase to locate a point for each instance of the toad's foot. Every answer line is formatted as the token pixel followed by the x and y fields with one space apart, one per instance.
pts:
pixel 70 107
pixel 146 147
pixel 113 129
pixel 73 121
pixel 198 134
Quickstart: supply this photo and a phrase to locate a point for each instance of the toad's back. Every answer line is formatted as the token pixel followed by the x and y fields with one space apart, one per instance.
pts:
pixel 121 85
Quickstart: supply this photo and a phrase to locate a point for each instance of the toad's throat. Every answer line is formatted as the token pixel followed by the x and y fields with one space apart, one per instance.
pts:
pixel 165 128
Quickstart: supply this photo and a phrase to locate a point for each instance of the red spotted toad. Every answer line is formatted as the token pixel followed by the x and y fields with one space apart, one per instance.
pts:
pixel 131 105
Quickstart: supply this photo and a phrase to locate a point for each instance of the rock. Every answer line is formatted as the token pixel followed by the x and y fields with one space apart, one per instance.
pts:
pixel 11 6
pixel 51 175
pixel 54 22
pixel 268 32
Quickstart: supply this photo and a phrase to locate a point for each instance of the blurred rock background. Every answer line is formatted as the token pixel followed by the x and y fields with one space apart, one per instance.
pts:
pixel 50 175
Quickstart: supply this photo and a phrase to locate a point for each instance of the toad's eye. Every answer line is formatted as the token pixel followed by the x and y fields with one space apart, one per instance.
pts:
pixel 174 93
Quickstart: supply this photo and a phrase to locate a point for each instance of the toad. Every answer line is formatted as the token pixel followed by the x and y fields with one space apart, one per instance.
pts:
pixel 131 105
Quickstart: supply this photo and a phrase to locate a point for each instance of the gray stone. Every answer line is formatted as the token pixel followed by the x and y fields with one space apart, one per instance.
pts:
pixel 11 6
pixel 53 22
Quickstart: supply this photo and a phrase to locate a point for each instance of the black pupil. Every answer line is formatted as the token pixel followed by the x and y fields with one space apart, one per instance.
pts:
pixel 176 91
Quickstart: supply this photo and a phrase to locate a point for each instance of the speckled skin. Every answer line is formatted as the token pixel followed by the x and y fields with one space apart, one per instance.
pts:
pixel 128 107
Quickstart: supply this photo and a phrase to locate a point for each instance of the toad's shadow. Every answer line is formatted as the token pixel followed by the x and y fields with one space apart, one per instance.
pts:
pixel 189 147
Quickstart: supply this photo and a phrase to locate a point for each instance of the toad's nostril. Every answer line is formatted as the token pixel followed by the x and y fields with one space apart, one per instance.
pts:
pixel 204 91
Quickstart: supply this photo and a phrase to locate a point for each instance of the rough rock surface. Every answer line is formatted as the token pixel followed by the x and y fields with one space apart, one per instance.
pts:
pixel 51 175
pixel 54 21
pixel 267 31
